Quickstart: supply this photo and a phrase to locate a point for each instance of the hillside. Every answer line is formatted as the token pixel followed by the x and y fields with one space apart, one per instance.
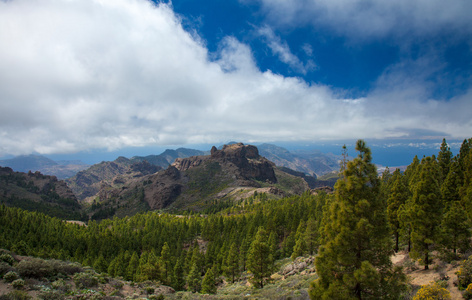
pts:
pixel 38 192
pixel 197 183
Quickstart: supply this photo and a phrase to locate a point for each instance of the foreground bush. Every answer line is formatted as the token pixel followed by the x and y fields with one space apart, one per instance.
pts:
pixel 34 268
pixel 465 273
pixel 15 295
pixel 10 276
pixel 85 280
pixel 432 291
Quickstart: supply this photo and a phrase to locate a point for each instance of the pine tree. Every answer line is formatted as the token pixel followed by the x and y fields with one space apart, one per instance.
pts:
pixel 259 259
pixel 194 279
pixel 165 263
pixel 231 269
pixel 397 197
pixel 426 210
pixel 311 236
pixel 209 282
pixel 178 281
pixel 354 257
pixel 132 267
pixel 444 160
pixel 455 229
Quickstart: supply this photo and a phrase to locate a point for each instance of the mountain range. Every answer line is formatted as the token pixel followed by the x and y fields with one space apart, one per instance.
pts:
pixel 312 163
pixel 181 179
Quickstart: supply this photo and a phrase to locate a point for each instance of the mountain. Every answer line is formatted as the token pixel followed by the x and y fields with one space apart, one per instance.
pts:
pixel 38 192
pixel 26 163
pixel 167 157
pixel 88 183
pixel 314 163
pixel 236 172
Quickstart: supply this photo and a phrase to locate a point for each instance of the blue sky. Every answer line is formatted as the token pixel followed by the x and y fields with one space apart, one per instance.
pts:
pixel 100 75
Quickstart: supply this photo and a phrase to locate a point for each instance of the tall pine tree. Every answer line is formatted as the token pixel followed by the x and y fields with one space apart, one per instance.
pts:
pixel 354 257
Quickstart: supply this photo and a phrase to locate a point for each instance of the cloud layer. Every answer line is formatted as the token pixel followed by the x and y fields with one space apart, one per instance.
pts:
pixel 77 75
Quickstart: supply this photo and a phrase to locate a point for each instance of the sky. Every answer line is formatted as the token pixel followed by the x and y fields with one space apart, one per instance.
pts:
pixel 81 76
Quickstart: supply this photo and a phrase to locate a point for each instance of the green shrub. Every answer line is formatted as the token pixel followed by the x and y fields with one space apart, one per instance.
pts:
pixel 10 276
pixel 35 268
pixel 464 274
pixel 4 268
pixel 61 285
pixel 15 295
pixel 18 284
pixel 63 267
pixel 51 295
pixel 7 258
pixel 85 280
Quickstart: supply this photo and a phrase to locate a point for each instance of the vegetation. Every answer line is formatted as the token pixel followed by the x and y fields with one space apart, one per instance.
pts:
pixel 352 234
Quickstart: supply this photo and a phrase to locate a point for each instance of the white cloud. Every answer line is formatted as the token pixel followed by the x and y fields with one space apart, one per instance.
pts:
pixel 76 75
pixel 282 50
pixel 371 18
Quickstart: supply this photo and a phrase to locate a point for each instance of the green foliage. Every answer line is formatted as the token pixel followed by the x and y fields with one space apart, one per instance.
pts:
pixel 432 291
pixel 85 280
pixel 11 276
pixel 35 268
pixel 398 196
pixel 194 279
pixel 15 295
pixel 4 268
pixel 18 284
pixel 468 292
pixel 354 257
pixel 464 274
pixel 426 211
pixel 260 260
pixel 209 282
pixel 7 258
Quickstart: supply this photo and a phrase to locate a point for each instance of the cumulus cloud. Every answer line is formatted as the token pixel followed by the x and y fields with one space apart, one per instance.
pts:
pixel 371 18
pixel 282 50
pixel 77 75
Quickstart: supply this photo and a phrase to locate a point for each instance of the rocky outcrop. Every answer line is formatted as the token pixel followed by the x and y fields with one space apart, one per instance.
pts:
pixel 241 160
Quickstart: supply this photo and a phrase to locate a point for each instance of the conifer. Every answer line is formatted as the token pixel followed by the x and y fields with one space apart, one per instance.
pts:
pixel 354 257
pixel 259 259
pixel 209 282
pixel 426 210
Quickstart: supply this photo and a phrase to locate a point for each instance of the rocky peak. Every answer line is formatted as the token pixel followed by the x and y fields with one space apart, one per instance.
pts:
pixel 243 160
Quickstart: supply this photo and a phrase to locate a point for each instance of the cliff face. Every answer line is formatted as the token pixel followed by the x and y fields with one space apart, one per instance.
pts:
pixel 242 160
pixel 195 181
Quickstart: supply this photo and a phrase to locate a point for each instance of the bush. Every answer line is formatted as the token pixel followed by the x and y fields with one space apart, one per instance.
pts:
pixel 10 276
pixel 7 258
pixel 468 292
pixel 85 280
pixel 18 284
pixel 61 285
pixel 64 267
pixel 35 268
pixel 432 291
pixel 50 295
pixel 4 268
pixel 15 295
pixel 464 274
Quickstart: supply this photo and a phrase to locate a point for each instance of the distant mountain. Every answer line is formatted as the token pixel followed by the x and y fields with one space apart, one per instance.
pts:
pixel 313 163
pixel 26 163
pixel 235 172
pixel 167 157
pixel 38 192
